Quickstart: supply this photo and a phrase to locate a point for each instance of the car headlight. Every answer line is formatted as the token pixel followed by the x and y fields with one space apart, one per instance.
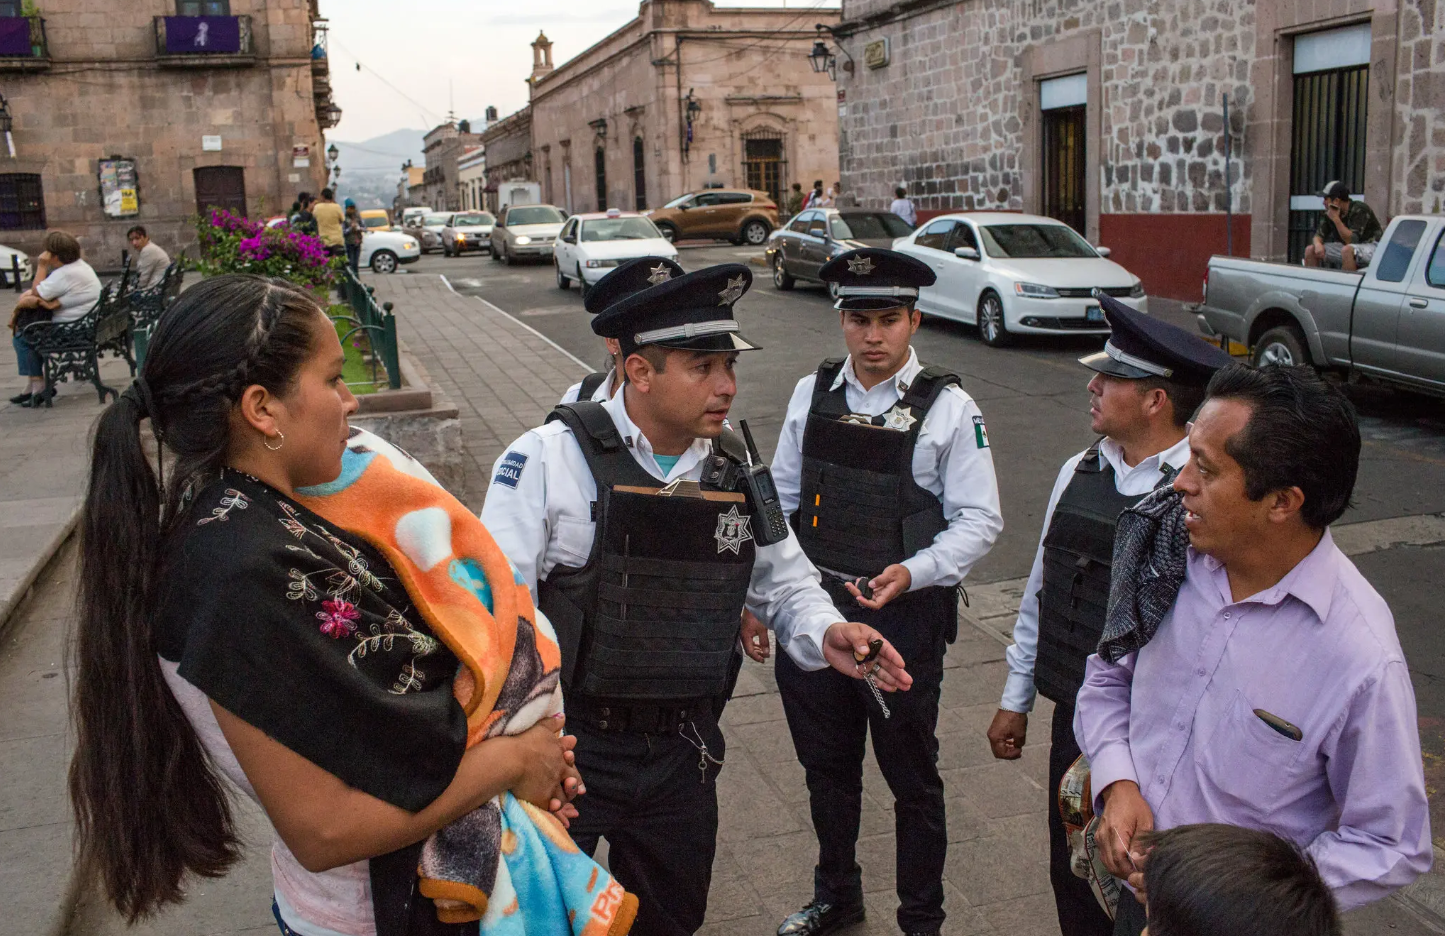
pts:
pixel 408 244
pixel 461 238
pixel 1035 291
pixel 598 264
pixel 523 241
pixel 1137 290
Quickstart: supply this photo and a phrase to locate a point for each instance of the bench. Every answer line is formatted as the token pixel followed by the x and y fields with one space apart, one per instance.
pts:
pixel 72 350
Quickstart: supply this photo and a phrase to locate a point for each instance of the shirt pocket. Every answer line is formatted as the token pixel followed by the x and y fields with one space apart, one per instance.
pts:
pixel 571 542
pixel 1246 765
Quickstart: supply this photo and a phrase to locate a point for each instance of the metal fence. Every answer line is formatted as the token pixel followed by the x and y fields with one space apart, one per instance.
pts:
pixel 376 323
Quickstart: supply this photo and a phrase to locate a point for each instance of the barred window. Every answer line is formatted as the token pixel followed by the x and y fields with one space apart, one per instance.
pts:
pixel 203 7
pixel 22 202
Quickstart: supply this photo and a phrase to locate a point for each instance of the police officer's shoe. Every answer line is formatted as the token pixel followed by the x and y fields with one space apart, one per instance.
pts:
pixel 818 918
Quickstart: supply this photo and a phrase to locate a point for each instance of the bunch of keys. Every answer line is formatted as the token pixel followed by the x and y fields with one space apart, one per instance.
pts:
pixel 875 647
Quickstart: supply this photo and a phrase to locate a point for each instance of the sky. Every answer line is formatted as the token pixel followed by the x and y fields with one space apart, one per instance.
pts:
pixel 420 58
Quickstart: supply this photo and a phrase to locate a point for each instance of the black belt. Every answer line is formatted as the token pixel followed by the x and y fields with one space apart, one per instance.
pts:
pixel 643 718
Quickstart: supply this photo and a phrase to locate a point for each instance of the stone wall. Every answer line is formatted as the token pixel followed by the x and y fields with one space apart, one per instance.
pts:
pixel 1419 166
pixel 103 95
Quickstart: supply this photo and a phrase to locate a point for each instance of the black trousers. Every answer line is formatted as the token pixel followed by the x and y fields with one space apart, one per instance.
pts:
pixel 1131 919
pixel 830 716
pixel 1079 913
pixel 658 811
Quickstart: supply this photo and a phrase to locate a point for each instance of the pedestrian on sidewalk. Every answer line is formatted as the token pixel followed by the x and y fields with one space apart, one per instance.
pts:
pixel 1248 674
pixel 903 206
pixel 199 655
pixel 815 197
pixel 796 198
pixel 352 232
pixel 64 290
pixel 633 276
pixel 304 221
pixel 1146 385
pixel 883 466
pixel 151 259
pixel 631 578
pixel 329 221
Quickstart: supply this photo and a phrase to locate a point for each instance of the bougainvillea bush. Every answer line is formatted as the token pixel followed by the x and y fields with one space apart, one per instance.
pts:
pixel 233 244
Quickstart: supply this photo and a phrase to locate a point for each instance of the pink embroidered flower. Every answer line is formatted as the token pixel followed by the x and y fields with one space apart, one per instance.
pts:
pixel 337 617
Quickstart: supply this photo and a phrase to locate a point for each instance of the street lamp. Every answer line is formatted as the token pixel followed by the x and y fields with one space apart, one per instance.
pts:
pixel 822 58
pixel 333 153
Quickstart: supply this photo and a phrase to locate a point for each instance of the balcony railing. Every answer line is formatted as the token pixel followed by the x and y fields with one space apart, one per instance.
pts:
pixel 22 44
pixel 204 41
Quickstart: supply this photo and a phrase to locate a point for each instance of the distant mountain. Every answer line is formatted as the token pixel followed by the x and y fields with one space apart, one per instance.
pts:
pixel 383 154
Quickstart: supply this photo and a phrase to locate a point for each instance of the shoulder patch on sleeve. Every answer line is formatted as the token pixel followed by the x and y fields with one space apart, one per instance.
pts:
pixel 980 432
pixel 509 469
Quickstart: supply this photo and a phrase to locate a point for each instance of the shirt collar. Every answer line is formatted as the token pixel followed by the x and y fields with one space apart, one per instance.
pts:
pixel 901 380
pixel 1312 580
pixel 641 448
pixel 1175 456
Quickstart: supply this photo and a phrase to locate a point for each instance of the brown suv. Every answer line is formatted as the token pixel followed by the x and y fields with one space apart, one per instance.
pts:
pixel 742 216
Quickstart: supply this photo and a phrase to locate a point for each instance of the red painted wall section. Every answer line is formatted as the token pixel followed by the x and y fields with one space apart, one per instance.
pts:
pixel 1170 252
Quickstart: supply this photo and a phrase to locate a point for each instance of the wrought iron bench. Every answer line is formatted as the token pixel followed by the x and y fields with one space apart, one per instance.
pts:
pixel 147 306
pixel 72 350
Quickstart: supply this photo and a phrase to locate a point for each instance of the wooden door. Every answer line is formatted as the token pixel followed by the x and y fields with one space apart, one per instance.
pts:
pixel 1064 165
pixel 221 187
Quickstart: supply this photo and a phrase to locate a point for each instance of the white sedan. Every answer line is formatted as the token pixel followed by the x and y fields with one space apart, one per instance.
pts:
pixel 592 245
pixel 1013 274
pixel 384 251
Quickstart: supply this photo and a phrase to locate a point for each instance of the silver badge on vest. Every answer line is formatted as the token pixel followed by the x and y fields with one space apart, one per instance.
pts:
pixel 733 529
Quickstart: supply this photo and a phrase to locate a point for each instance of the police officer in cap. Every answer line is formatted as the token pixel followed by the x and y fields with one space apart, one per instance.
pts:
pixel 632 276
pixel 646 592
pixel 1147 383
pixel 885 468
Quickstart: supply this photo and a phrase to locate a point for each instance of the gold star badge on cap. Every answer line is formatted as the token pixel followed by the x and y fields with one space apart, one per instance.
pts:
pixel 660 274
pixel 860 265
pixel 736 287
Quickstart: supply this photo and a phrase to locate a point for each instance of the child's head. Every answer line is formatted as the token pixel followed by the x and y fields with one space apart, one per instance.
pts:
pixel 1223 880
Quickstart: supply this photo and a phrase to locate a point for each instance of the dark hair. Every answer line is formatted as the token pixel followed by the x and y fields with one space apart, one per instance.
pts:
pixel 1223 880
pixel 137 230
pixel 817 183
pixel 149 805
pixel 303 199
pixel 1301 433
pixel 62 246
pixel 1184 398
pixel 900 191
pixel 327 194
pixel 797 186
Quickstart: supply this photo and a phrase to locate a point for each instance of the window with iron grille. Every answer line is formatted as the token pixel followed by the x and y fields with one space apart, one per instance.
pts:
pixel 639 175
pixel 203 7
pixel 22 202
pixel 765 168
pixel 10 8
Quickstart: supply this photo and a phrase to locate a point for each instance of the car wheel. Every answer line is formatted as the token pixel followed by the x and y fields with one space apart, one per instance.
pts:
pixel 668 231
pixel 992 329
pixel 562 281
pixel 383 261
pixel 782 279
pixel 1283 346
pixel 582 283
pixel 755 233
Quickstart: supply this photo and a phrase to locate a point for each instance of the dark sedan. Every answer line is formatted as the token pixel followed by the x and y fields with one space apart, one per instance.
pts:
pixel 798 250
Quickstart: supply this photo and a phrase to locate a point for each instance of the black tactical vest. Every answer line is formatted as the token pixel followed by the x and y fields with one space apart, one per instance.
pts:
pixel 859 508
pixel 591 382
pixel 1078 556
pixel 655 613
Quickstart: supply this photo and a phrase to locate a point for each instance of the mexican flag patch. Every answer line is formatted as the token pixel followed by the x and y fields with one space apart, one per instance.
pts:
pixel 980 432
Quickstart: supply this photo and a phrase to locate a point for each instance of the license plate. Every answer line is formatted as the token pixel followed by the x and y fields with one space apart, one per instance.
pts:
pixel 1093 314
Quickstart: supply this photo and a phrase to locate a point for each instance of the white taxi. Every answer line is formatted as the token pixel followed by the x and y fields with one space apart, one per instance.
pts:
pixel 592 245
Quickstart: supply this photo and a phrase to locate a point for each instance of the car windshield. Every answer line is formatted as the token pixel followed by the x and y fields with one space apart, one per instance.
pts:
pixel 680 200
pixel 472 220
pixel 434 221
pixel 374 222
pixel 1026 241
pixel 869 227
pixel 534 214
pixel 605 229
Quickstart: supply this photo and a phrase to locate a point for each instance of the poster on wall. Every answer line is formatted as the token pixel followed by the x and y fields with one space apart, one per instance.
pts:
pixel 119 188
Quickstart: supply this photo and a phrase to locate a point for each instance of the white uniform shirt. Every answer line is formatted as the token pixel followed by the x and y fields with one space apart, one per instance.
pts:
pixel 539 510
pixel 599 395
pixel 951 460
pixel 903 207
pixel 1018 691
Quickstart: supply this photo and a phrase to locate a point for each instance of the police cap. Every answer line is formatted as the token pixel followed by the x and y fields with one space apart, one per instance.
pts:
pixel 873 278
pixel 630 277
pixel 693 312
pixel 1143 346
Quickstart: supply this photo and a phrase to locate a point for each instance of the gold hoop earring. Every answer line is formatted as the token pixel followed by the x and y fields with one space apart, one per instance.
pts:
pixel 279 434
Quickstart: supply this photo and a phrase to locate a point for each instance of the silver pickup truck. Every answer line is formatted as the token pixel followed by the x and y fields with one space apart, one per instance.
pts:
pixel 1387 323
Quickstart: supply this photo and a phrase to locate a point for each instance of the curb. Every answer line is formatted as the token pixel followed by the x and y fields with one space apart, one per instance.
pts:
pixel 46 553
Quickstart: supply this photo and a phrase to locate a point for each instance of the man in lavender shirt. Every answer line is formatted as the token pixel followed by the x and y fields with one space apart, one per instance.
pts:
pixel 1274 694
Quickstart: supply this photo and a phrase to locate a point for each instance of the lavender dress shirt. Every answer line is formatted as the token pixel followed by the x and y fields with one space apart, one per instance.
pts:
pixel 1318 650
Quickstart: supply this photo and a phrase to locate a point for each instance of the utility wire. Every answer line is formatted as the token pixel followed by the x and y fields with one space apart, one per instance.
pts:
pixel 426 111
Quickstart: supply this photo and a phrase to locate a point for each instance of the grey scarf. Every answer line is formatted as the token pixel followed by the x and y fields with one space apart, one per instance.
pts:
pixel 1150 550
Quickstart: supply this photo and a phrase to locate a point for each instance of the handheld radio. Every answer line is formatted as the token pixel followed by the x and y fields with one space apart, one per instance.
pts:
pixel 762 495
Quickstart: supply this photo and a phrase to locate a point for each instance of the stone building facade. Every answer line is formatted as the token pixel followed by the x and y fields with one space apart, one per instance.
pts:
pixel 443 147
pixel 1110 114
pixel 125 114
pixel 685 96
pixel 472 179
pixel 508 144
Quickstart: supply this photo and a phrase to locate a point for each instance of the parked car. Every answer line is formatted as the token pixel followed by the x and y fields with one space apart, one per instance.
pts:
pixel 525 231
pixel 467 230
pixel 742 216
pixel 799 249
pixel 591 245
pixel 428 230
pixel 1386 323
pixel 384 251
pixel 1013 274
pixel 10 258
pixel 375 219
